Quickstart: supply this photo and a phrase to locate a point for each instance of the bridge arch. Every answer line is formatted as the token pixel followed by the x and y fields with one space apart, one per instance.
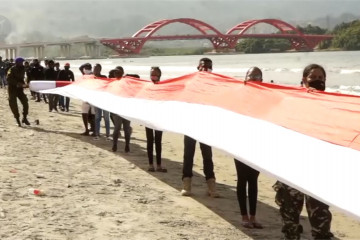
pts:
pixel 151 28
pixel 298 40
pixel 137 41
pixel 284 27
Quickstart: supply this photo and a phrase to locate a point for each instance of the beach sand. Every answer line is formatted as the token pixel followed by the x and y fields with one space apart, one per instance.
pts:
pixel 93 193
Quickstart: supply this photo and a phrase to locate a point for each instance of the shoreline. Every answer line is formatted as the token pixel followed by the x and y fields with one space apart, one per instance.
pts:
pixel 174 55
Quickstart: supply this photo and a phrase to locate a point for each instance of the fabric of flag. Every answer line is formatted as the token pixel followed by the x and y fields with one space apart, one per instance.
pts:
pixel 306 139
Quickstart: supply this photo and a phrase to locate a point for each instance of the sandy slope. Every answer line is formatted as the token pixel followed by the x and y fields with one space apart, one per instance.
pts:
pixel 92 193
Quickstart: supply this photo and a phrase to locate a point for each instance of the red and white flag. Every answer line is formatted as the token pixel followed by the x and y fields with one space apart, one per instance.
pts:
pixel 306 139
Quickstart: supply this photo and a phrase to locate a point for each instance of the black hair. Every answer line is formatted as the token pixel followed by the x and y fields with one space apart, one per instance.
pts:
pixel 98 65
pixel 254 68
pixel 205 60
pixel 310 67
pixel 132 75
pixel 120 68
pixel 111 73
pixel 156 69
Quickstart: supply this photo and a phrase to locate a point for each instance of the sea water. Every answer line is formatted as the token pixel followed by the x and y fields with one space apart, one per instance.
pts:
pixel 342 67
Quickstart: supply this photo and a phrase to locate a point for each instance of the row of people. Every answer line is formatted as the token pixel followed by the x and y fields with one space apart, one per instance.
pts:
pixel 4 68
pixel 117 120
pixel 289 199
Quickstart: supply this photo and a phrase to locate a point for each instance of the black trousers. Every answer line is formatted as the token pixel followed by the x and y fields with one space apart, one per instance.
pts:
pixel 189 152
pixel 246 176
pixel 117 120
pixel 152 134
pixel 53 101
pixel 13 95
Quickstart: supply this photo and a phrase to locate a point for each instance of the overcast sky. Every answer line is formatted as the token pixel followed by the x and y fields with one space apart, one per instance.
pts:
pixel 122 18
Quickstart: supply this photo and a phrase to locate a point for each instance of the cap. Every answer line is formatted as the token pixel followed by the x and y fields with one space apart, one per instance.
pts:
pixel 67 65
pixel 19 59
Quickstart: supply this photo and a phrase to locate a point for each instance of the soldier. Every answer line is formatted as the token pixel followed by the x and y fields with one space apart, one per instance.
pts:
pixel 15 77
pixel 291 200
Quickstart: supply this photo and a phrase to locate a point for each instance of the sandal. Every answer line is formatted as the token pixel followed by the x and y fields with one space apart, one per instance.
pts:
pixel 257 225
pixel 247 224
pixel 161 169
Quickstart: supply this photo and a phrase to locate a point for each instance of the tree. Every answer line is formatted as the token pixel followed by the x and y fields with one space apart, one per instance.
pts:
pixel 347 36
pixel 254 45
pixel 309 29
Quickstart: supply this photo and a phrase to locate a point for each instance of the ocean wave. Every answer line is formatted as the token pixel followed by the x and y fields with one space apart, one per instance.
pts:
pixel 281 70
pixel 352 90
pixel 349 71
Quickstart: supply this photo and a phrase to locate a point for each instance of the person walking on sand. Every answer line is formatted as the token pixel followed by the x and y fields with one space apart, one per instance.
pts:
pixel 291 200
pixel 246 175
pixel 151 134
pixel 16 85
pixel 205 64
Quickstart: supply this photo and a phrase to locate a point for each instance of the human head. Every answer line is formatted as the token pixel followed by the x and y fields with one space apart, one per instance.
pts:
pixel 51 63
pixel 118 73
pixel 85 68
pixel 26 64
pixel 19 61
pixel 67 66
pixel 254 74
pixel 314 76
pixel 36 62
pixel 46 62
pixel 121 70
pixel 155 74
pixel 132 75
pixel 57 65
pixel 97 69
pixel 205 64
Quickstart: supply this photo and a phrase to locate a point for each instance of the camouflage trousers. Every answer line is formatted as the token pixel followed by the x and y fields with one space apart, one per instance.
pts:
pixel 291 202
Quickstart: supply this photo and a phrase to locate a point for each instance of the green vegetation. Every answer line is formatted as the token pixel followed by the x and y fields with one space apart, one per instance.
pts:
pixel 309 29
pixel 174 51
pixel 257 45
pixel 347 36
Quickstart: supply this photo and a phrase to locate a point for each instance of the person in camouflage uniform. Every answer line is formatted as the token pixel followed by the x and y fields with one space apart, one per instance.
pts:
pixel 290 200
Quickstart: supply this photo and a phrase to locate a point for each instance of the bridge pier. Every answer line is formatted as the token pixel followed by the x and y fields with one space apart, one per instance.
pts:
pixel 65 51
pixel 39 52
pixel 11 53
pixel 92 50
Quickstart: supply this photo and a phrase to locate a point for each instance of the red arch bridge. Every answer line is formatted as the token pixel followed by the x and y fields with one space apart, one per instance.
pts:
pixel 220 41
